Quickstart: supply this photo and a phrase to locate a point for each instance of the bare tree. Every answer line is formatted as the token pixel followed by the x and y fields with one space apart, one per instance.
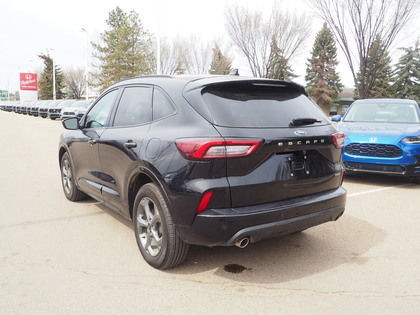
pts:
pixel 264 41
pixel 172 55
pixel 74 80
pixel 197 57
pixel 190 56
pixel 358 23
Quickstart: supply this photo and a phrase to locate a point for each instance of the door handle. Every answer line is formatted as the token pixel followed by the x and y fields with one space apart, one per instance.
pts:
pixel 130 144
pixel 92 141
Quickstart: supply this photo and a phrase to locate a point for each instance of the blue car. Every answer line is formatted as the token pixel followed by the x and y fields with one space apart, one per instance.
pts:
pixel 382 136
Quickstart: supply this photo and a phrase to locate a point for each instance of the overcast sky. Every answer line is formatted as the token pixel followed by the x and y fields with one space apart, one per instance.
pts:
pixel 28 28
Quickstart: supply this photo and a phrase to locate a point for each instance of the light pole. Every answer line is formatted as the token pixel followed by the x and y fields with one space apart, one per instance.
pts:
pixel 34 71
pixel 8 86
pixel 158 54
pixel 158 70
pixel 86 63
pixel 8 89
pixel 53 64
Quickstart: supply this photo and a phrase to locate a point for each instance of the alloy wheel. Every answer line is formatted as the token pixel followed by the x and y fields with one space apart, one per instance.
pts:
pixel 67 177
pixel 149 226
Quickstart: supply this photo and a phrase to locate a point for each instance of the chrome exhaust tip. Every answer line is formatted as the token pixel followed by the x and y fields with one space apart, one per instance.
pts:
pixel 242 243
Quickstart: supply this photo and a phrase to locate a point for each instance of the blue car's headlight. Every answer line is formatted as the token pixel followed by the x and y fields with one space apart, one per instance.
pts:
pixel 411 140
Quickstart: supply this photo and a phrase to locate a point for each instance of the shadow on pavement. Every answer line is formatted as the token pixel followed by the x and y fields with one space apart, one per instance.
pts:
pixel 285 258
pixel 290 257
pixel 116 216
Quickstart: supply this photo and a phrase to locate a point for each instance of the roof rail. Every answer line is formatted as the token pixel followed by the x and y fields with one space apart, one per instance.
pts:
pixel 152 76
pixel 142 76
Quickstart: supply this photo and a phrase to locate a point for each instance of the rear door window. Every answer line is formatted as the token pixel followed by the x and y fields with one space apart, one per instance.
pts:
pixel 258 105
pixel 161 105
pixel 135 106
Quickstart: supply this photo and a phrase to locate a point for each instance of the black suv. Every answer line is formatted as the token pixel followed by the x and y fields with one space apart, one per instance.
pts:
pixel 214 161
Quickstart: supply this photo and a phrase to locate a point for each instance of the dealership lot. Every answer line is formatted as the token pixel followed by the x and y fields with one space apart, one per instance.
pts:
pixel 58 257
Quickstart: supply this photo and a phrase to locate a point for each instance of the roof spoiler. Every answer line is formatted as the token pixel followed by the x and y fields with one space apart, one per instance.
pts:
pixel 226 81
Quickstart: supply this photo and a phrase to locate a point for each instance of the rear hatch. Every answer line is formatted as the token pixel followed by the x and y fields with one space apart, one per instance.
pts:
pixel 297 155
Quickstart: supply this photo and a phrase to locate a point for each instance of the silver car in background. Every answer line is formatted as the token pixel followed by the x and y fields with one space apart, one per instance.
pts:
pixel 43 107
pixel 54 111
pixel 77 109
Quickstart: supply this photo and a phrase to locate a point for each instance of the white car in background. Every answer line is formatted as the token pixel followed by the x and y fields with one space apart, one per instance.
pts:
pixel 77 109
pixel 55 111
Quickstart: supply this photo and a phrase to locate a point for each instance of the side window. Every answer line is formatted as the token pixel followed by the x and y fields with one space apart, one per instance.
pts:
pixel 99 113
pixel 135 106
pixel 161 105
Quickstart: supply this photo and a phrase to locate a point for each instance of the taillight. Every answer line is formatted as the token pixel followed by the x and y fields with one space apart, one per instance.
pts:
pixel 204 202
pixel 211 148
pixel 338 139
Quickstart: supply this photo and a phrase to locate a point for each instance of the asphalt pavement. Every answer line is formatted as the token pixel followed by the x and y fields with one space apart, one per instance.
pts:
pixel 59 257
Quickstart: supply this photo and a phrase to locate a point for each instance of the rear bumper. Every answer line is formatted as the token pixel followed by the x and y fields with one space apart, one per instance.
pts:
pixel 223 227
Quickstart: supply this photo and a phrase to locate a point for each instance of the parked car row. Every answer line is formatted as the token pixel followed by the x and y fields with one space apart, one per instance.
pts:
pixel 57 109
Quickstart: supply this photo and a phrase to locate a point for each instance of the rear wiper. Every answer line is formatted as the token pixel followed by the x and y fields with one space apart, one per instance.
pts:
pixel 303 121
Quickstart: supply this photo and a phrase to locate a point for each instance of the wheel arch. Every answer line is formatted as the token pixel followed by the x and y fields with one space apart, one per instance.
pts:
pixel 137 180
pixel 61 152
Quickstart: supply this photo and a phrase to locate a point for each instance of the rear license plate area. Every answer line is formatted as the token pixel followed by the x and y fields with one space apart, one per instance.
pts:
pixel 299 165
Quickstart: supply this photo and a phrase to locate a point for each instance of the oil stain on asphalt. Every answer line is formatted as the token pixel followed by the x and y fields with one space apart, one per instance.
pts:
pixel 235 268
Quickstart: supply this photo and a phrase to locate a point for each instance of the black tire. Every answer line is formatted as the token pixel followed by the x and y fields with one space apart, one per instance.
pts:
pixel 52 118
pixel 173 250
pixel 70 189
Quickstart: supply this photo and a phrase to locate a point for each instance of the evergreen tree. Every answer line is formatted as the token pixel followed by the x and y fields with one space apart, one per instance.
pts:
pixel 406 78
pixel 125 49
pixel 378 73
pixel 220 64
pixel 278 66
pixel 323 82
pixel 46 80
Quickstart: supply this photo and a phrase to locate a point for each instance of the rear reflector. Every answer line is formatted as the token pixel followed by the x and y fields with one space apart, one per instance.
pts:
pixel 210 148
pixel 338 139
pixel 204 202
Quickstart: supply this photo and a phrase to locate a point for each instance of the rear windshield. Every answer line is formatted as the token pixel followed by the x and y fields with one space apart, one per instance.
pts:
pixel 259 106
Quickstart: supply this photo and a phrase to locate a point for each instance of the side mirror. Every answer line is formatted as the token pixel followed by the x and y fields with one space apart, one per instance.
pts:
pixel 336 118
pixel 71 123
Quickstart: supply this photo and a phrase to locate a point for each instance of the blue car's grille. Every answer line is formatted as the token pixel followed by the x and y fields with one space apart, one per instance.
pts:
pixel 373 149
